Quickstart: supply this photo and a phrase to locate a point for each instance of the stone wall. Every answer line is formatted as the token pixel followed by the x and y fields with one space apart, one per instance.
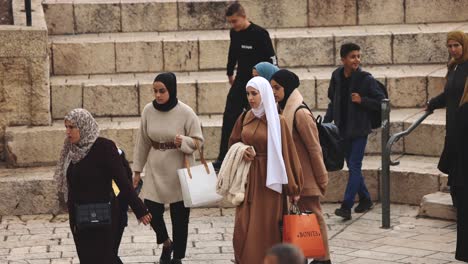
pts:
pixel 24 72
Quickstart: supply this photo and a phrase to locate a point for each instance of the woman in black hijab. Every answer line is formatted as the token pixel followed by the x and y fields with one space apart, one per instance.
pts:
pixel 168 132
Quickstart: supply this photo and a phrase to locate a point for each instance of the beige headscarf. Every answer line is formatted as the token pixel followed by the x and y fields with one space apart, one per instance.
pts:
pixel 89 132
pixel 460 37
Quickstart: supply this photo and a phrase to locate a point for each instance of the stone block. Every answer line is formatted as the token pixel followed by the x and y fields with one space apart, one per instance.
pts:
pixel 124 135
pixel 111 100
pixel 409 187
pixel 59 17
pixel 431 48
pixel 322 93
pixel 40 91
pixel 180 56
pixel 374 143
pixel 97 17
pixel 213 53
pixel 212 134
pixel 149 16
pixel 83 58
pixel 407 91
pixel 281 14
pixel 307 90
pixel 65 98
pixel 444 183
pixel 430 11
pixel 376 48
pixel 139 56
pixel 186 92
pixel 438 205
pixel 302 51
pixel 381 12
pixel 198 15
pixel 23 43
pixel 338 180
pixel 416 143
pixel 436 83
pixel 212 97
pixel 332 13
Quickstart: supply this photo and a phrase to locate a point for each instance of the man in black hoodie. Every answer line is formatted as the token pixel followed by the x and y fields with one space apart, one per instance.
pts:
pixel 354 95
pixel 250 44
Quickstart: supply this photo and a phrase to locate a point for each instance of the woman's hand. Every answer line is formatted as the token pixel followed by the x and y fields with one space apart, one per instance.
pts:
pixel 136 179
pixel 146 219
pixel 249 154
pixel 356 98
pixel 295 199
pixel 178 141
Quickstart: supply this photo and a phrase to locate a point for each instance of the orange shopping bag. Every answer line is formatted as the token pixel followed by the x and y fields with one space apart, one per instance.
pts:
pixel 303 231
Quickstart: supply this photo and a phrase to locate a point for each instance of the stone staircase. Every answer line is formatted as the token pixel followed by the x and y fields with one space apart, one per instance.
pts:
pixel 105 54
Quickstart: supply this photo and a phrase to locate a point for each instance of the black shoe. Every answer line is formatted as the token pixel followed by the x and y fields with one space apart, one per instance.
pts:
pixel 364 206
pixel 343 212
pixel 166 255
pixel 320 262
pixel 176 261
pixel 217 164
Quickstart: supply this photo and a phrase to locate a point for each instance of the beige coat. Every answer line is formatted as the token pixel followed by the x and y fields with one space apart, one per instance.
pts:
pixel 161 183
pixel 306 138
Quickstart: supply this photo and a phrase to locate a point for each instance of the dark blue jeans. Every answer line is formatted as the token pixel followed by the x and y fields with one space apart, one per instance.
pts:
pixel 354 154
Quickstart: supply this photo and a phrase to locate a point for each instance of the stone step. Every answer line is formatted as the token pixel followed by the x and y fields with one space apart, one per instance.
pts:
pixel 109 53
pixel 438 205
pixel 94 16
pixel 33 190
pixel 206 92
pixel 38 146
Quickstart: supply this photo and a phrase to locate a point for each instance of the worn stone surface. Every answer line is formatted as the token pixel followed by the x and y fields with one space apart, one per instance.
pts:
pixel 59 17
pixel 40 91
pixel 213 53
pixel 307 90
pixel 207 92
pixel 381 12
pixel 332 13
pixel 431 48
pixel 139 56
pixel 422 11
pixel 407 91
pixel 212 134
pixel 65 98
pixel 195 15
pixel 438 205
pixel 416 142
pixel 410 187
pixel 83 58
pixel 17 42
pixel 109 100
pixel 436 83
pixel 301 51
pixel 180 56
pixel 281 14
pixel 97 17
pixel 149 16
pixel 338 181
pixel 376 48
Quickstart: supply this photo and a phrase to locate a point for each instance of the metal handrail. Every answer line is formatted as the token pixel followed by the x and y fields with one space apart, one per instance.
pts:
pixel 28 10
pixel 387 143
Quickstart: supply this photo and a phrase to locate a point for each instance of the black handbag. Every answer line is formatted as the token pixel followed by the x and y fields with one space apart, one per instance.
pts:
pixel 93 215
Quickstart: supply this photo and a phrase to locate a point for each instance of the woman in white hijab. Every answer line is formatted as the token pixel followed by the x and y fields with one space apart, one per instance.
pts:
pixel 275 173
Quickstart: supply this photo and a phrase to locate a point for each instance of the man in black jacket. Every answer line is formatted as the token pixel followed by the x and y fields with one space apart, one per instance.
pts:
pixel 353 95
pixel 250 44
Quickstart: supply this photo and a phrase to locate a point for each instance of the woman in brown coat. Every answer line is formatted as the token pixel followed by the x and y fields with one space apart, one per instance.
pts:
pixel 304 131
pixel 274 172
pixel 84 174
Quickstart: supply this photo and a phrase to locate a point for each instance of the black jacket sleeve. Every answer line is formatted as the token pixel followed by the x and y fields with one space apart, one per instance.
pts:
pixel 268 50
pixel 331 95
pixel 232 56
pixel 438 101
pixel 113 164
pixel 375 96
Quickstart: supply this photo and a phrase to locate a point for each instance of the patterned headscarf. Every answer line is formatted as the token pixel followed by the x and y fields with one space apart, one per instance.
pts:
pixel 89 132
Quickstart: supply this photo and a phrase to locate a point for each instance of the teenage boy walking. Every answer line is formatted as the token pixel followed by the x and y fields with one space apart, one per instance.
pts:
pixel 250 44
pixel 353 95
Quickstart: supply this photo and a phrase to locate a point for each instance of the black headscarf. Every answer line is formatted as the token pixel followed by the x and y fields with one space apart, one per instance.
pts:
pixel 289 81
pixel 170 81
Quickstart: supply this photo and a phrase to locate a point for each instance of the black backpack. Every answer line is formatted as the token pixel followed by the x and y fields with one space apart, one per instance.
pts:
pixel 376 116
pixel 330 141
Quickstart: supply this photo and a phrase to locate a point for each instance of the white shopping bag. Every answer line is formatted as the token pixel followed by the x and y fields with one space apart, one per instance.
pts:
pixel 198 183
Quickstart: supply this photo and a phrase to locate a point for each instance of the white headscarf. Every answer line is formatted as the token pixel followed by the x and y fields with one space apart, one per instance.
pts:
pixel 276 170
pixel 89 132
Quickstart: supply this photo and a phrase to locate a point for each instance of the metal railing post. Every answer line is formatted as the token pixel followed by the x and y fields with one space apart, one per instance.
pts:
pixel 385 174
pixel 28 10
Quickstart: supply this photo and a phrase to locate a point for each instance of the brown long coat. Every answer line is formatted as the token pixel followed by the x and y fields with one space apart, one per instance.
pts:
pixel 306 139
pixel 257 218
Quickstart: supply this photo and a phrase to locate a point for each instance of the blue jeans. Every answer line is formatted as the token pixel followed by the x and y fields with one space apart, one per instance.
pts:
pixel 354 154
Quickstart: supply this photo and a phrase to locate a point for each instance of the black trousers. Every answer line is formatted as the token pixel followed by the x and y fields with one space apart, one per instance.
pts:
pixel 236 102
pixel 460 195
pixel 180 219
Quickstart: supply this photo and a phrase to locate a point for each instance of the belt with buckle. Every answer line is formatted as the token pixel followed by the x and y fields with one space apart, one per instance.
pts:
pixel 164 145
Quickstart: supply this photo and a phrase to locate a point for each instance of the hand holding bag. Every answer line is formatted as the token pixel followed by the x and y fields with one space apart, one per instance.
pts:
pixel 303 231
pixel 198 183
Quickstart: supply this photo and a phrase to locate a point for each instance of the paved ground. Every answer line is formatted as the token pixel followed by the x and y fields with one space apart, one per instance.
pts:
pixel 47 239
